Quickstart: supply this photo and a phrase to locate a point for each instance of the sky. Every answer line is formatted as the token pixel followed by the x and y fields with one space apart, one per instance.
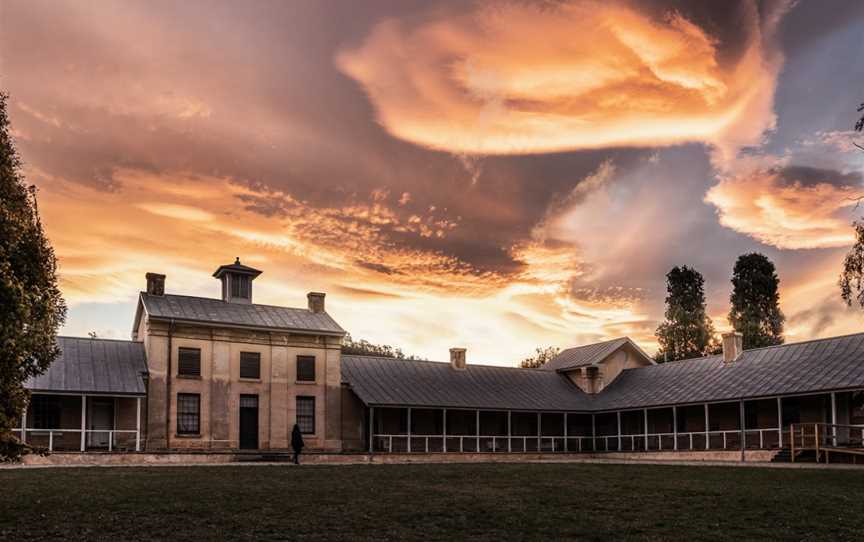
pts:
pixel 499 176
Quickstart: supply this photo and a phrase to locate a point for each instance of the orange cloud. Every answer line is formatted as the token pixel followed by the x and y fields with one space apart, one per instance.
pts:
pixel 791 208
pixel 519 79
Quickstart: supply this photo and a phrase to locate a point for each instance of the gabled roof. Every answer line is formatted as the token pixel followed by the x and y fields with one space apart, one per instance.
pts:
pixel 206 310
pixel 397 382
pixel 590 354
pixel 820 365
pixel 94 366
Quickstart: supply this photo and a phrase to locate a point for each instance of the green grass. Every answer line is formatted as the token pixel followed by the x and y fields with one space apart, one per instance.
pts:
pixel 422 502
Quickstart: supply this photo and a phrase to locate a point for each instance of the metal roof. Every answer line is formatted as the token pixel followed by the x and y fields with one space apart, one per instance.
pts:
pixel 94 366
pixel 236 267
pixel 589 354
pixel 821 365
pixel 216 311
pixel 388 381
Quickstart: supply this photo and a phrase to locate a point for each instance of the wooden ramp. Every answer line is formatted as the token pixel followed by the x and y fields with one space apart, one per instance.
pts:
pixel 844 442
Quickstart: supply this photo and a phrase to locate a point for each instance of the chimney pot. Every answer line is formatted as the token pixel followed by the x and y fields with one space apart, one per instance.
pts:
pixel 457 358
pixel 316 301
pixel 732 346
pixel 155 284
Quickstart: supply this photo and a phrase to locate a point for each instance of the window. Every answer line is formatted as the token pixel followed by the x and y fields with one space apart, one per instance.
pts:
pixel 305 368
pixel 190 362
pixel 188 413
pixel 46 412
pixel 250 365
pixel 306 414
pixel 240 286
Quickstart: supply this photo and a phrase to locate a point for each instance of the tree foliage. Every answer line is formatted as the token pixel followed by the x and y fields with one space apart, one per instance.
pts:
pixel 852 277
pixel 31 306
pixel 365 348
pixel 755 299
pixel 541 357
pixel 688 331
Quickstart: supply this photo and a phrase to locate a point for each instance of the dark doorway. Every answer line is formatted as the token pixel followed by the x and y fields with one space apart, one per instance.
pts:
pixel 249 422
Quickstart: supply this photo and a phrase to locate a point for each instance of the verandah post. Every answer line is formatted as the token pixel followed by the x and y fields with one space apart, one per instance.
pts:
pixel 138 424
pixel 707 436
pixel 83 422
pixel 834 419
pixel 780 422
pixel 371 429
pixel 24 426
pixel 675 427
pixel 619 430
pixel 409 430
pixel 566 446
pixel 444 430
pixel 646 428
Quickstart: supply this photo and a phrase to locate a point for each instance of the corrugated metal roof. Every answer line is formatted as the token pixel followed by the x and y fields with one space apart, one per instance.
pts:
pixel 94 366
pixel 208 310
pixel 581 356
pixel 813 366
pixel 827 364
pixel 387 381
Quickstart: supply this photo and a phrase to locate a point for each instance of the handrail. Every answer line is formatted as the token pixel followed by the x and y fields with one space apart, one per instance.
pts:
pixel 59 432
pixel 683 441
pixel 831 436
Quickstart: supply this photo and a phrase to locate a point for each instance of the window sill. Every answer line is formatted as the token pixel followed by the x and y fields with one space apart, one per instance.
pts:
pixel 189 377
pixel 188 435
pixel 305 382
pixel 244 379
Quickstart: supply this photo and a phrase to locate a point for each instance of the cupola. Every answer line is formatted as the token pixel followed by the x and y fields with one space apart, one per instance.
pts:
pixel 236 281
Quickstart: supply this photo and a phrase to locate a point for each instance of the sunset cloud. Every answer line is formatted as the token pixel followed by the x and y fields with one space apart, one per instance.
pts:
pixel 517 78
pixel 790 207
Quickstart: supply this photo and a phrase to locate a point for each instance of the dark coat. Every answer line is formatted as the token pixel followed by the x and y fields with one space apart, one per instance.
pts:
pixel 297 438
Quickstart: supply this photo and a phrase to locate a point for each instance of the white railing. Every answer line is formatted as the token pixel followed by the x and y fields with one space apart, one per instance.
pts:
pixel 55 435
pixel 689 441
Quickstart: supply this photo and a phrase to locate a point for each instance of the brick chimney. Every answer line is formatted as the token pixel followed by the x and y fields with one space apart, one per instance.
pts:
pixel 457 358
pixel 732 346
pixel 316 301
pixel 155 284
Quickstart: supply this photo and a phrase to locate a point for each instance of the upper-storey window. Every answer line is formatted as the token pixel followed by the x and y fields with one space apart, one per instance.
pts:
pixel 189 362
pixel 250 365
pixel 305 368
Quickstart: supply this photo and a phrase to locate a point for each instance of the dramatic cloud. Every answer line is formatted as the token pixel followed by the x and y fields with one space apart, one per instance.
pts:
pixel 529 78
pixel 790 207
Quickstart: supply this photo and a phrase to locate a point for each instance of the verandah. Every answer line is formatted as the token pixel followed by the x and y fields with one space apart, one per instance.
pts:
pixel 727 425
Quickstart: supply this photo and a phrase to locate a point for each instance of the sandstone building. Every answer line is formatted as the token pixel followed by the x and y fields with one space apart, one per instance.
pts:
pixel 229 374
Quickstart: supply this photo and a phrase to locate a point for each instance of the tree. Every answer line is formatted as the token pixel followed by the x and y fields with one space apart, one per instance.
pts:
pixel 688 331
pixel 755 301
pixel 541 357
pixel 852 277
pixel 365 348
pixel 31 306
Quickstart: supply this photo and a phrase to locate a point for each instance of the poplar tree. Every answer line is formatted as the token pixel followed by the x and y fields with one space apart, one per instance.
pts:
pixel 755 299
pixel 31 307
pixel 688 331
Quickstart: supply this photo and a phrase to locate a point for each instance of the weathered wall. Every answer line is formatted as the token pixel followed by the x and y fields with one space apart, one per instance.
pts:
pixel 220 386
pixel 354 422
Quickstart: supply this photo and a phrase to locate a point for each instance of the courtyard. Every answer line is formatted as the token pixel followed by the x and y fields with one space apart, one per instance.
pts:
pixel 431 502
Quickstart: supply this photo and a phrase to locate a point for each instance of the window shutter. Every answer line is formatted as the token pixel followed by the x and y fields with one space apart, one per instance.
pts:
pixel 250 365
pixel 189 362
pixel 305 368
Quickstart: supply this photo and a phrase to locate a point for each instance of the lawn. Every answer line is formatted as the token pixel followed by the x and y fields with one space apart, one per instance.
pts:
pixel 425 502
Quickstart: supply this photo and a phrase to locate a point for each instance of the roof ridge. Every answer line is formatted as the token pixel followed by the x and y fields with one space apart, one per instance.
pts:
pixel 468 366
pixel 808 341
pixel 241 304
pixel 598 343
pixel 99 339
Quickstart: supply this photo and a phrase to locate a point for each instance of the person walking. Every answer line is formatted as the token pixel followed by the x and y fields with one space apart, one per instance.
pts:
pixel 297 443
